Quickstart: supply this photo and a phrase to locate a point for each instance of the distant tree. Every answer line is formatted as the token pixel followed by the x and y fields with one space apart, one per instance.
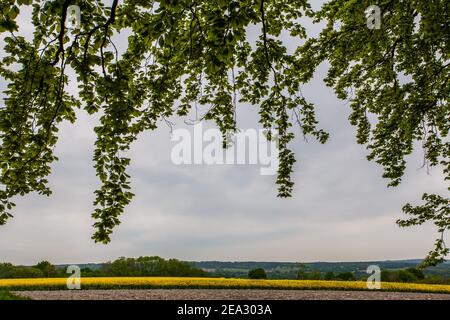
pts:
pixel 389 276
pixel 48 270
pixel 6 270
pixel 346 276
pixel 436 279
pixel 9 271
pixel 406 276
pixel 302 275
pixel 315 275
pixel 151 266
pixel 258 273
pixel 122 267
pixel 88 272
pixel 329 276
pixel 26 272
pixel 418 273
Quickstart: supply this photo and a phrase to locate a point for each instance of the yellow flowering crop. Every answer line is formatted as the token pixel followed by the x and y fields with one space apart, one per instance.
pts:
pixel 178 282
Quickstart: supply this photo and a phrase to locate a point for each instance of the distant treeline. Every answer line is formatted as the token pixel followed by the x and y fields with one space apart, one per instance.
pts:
pixel 409 275
pixel 122 267
pixel 358 267
pixel 340 273
pixel 147 267
pixel 154 266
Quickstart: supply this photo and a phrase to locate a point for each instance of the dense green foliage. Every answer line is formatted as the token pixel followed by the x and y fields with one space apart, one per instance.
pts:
pixel 329 275
pixel 411 275
pixel 122 267
pixel 396 80
pixel 332 270
pixel 184 54
pixel 47 269
pixel 258 273
pixel 195 53
pixel 43 269
pixel 407 275
pixel 150 266
pixel 7 270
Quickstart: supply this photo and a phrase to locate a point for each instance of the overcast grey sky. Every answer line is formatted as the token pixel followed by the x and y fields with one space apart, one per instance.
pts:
pixel 341 209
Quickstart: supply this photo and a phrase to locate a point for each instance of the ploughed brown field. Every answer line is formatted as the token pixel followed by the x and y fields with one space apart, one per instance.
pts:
pixel 227 294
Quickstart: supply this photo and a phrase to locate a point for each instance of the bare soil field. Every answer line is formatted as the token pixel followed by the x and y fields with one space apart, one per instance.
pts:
pixel 227 294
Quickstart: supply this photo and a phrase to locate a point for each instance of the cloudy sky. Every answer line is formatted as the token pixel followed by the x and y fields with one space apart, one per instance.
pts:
pixel 341 209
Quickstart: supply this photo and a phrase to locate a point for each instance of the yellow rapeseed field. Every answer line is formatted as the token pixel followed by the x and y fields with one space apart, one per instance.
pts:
pixel 174 282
